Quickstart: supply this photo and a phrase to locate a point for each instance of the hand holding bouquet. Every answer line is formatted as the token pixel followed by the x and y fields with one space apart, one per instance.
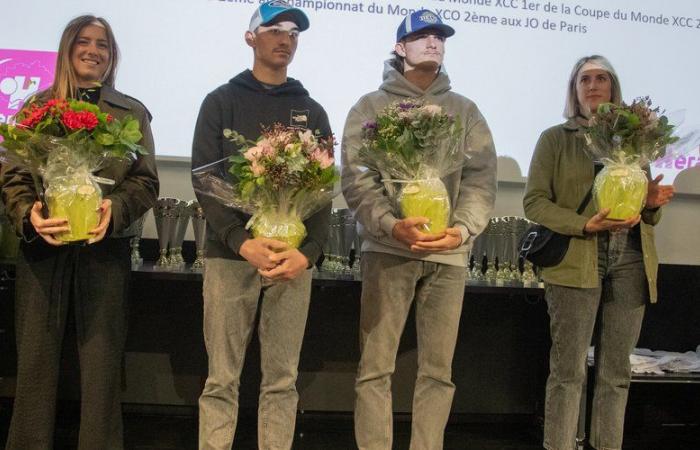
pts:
pixel 281 179
pixel 62 142
pixel 415 144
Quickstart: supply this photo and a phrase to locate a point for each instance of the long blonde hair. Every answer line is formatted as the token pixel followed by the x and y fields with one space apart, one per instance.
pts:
pixel 65 82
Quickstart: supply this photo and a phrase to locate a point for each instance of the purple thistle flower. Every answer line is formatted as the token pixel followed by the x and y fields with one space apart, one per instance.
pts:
pixel 369 125
pixel 407 105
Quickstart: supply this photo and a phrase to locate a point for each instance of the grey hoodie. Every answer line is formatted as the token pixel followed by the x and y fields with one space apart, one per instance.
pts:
pixel 472 190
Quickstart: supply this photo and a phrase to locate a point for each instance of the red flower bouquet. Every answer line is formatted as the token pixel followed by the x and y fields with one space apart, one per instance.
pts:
pixel 62 143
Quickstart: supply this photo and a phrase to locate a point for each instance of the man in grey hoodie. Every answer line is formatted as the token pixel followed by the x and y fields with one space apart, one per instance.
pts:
pixel 400 263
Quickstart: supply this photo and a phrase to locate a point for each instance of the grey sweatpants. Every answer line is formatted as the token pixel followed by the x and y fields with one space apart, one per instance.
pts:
pixel 232 292
pixel 390 285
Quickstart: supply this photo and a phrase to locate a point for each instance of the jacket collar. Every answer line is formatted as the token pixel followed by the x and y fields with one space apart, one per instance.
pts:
pixel 114 97
pixel 576 124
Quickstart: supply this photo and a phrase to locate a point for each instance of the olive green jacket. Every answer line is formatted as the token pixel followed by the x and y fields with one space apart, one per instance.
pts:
pixel 136 183
pixel 561 173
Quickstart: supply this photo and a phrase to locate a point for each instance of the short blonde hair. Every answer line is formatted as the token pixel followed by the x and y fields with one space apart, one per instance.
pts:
pixel 572 107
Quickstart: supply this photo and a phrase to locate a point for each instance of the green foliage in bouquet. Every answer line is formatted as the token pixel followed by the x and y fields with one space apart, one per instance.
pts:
pixel 100 134
pixel 626 138
pixel 281 177
pixel 282 159
pixel 410 138
pixel 416 144
pixel 63 142
pixel 635 133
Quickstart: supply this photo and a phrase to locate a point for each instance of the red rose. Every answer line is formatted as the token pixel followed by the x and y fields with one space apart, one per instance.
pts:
pixel 35 115
pixel 79 120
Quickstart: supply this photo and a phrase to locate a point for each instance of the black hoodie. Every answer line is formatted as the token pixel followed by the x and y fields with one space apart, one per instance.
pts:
pixel 245 105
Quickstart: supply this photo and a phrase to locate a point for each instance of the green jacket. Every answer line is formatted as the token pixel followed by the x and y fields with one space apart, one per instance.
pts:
pixel 136 184
pixel 561 173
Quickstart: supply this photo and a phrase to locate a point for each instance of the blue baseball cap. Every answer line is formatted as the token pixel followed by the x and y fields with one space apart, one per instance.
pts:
pixel 421 20
pixel 267 12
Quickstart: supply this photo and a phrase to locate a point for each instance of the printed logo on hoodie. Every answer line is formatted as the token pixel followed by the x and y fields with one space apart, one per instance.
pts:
pixel 299 118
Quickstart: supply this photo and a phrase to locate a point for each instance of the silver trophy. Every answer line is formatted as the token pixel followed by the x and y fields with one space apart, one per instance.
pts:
pixel 330 247
pixel 164 214
pixel 341 235
pixel 136 259
pixel 199 226
pixel 177 235
pixel 348 231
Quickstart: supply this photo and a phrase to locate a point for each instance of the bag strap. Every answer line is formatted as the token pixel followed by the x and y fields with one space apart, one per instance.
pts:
pixel 589 194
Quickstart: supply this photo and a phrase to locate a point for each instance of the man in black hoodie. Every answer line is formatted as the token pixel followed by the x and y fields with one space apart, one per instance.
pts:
pixel 243 273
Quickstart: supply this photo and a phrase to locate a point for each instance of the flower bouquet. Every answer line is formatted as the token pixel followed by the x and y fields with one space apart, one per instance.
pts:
pixel 62 143
pixel 626 138
pixel 281 179
pixel 414 144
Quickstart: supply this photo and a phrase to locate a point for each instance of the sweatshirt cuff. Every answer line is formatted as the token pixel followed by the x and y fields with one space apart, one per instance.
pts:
pixel 312 252
pixel 236 237
pixel 464 232
pixel 651 216
pixel 387 223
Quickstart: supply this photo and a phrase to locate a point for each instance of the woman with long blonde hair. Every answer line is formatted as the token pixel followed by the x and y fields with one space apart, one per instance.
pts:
pixel 77 290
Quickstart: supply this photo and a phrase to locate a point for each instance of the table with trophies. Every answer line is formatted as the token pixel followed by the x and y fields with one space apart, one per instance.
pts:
pixel 493 262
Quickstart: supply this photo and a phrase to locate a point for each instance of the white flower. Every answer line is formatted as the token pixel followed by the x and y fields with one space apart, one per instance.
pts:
pixel 432 110
pixel 306 137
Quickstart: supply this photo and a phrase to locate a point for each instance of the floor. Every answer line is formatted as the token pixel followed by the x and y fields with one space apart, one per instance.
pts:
pixel 178 431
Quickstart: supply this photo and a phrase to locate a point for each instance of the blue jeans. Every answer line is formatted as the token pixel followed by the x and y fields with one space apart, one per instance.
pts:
pixel 390 285
pixel 232 292
pixel 618 307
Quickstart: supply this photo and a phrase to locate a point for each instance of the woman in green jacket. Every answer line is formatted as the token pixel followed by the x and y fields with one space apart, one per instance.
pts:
pixel 83 288
pixel 600 289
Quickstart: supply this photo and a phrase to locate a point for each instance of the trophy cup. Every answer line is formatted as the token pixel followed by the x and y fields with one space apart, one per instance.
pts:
pixel 199 226
pixel 164 213
pixel 348 231
pixel 174 257
pixel 177 230
pixel 334 244
pixel 136 259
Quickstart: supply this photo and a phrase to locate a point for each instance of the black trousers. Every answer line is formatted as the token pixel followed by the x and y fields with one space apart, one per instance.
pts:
pixel 91 282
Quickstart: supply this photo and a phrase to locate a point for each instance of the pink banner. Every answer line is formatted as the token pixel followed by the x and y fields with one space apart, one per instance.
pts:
pixel 23 73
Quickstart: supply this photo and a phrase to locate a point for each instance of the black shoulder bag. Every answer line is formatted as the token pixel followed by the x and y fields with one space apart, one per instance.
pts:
pixel 544 247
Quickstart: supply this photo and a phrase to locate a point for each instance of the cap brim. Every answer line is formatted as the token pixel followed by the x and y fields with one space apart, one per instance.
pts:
pixel 441 27
pixel 298 17
pixel 446 29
